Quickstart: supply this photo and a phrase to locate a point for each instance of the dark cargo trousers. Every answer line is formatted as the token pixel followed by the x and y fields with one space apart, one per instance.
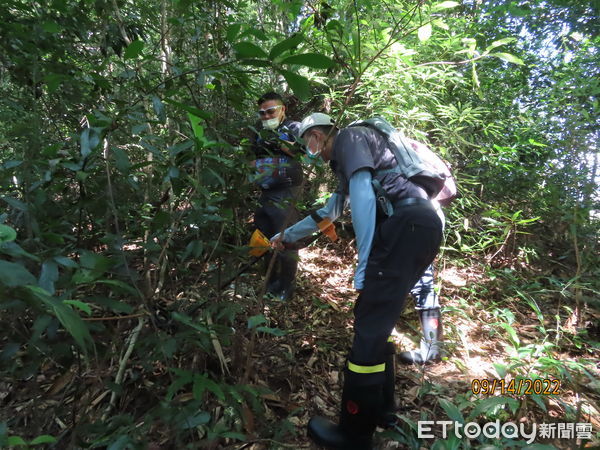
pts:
pixel 275 213
pixel 403 246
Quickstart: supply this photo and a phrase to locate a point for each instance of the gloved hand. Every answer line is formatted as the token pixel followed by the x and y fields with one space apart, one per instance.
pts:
pixel 276 242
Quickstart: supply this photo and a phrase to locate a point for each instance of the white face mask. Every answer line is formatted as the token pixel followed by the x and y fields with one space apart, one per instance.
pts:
pixel 270 124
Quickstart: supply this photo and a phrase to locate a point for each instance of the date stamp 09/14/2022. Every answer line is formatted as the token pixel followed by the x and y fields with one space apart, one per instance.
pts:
pixel 520 386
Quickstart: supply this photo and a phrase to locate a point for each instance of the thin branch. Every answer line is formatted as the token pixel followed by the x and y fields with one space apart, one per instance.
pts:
pixel 120 23
pixel 174 77
pixel 123 363
pixel 113 208
pixel 99 319
pixel 453 63
pixel 358 32
pixel 392 40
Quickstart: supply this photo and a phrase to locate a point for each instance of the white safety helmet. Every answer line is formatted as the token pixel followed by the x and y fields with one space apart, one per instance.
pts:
pixel 314 120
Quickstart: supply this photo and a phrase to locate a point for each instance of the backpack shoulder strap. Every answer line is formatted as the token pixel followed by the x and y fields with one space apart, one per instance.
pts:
pixel 408 162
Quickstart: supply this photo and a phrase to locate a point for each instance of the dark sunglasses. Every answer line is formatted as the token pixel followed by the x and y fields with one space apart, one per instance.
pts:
pixel 271 110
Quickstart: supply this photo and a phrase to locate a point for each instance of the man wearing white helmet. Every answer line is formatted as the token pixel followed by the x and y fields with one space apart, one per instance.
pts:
pixel 393 252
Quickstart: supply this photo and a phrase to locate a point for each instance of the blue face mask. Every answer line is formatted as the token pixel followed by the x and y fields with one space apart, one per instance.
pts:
pixel 310 153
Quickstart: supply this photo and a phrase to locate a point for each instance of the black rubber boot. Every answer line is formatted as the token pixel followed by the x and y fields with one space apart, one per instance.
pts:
pixel 273 282
pixel 273 287
pixel 388 408
pixel 288 266
pixel 361 406
pixel 431 323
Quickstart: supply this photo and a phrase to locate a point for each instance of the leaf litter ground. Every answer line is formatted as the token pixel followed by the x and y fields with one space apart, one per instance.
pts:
pixel 299 374
pixel 304 368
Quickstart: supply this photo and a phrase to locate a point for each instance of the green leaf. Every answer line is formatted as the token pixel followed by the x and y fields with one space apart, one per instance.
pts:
pixel 424 33
pixel 233 435
pixel 159 109
pixel 190 109
pixel 194 248
pixel 53 238
pixel 255 62
pixel 273 331
pixel 441 24
pixel 43 439
pixel 12 163
pixel 196 127
pixel 14 250
pixel 508 57
pixel 15 441
pixel 140 128
pixel 40 325
pixel 113 305
pixel 15 203
pixel 7 234
pixel 49 275
pixel 51 27
pixel 202 383
pixel 514 10
pixel 451 410
pixel 13 275
pixel 94 261
pixel 80 305
pixel 314 60
pixel 540 402
pixel 256 320
pixel 187 320
pixel 199 386
pixel 249 50
pixel 121 160
pixel 72 166
pixel 356 45
pixel 121 443
pixel 491 403
pixel 215 388
pixel 83 276
pixel 445 5
pixel 217 176
pixel 258 34
pixel 53 81
pixel 120 285
pixel 511 332
pixel 500 369
pixel 185 377
pixel 286 44
pixel 90 138
pixel 476 82
pixel 297 83
pixel 232 31
pixel 334 25
pixel 500 42
pixel 194 421
pixel 537 144
pixel 134 49
pixel 67 317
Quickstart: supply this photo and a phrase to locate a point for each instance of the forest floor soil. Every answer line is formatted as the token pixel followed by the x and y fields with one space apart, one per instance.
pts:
pixel 304 369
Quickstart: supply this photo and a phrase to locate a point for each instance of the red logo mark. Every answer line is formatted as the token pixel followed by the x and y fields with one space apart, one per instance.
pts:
pixel 352 407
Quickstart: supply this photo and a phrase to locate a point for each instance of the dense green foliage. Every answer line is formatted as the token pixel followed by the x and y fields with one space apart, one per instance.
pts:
pixel 123 183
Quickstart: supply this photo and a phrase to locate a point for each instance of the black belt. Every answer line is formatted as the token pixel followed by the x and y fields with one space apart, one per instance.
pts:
pixel 410 201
